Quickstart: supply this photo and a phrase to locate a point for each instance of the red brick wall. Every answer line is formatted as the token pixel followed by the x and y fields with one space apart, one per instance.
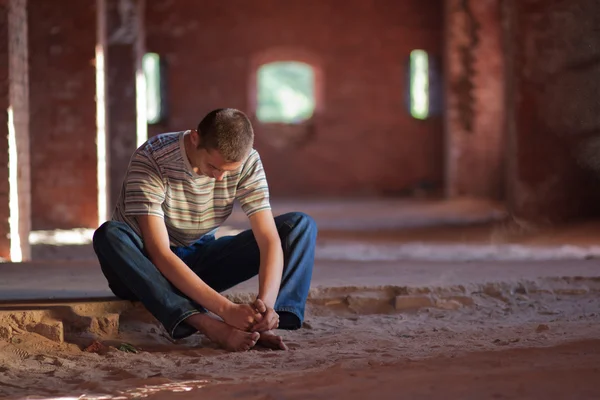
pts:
pixel 63 113
pixel 556 109
pixel 362 140
pixel 475 99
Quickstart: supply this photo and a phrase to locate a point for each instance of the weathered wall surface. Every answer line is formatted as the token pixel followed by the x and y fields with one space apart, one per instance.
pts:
pixel 123 25
pixel 14 104
pixel 363 140
pixel 475 99
pixel 4 104
pixel 63 113
pixel 555 108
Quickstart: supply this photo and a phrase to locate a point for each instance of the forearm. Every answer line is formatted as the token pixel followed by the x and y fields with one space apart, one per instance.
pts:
pixel 190 284
pixel 269 275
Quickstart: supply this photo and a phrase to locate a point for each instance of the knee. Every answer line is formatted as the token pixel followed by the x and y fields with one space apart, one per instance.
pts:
pixel 106 234
pixel 304 223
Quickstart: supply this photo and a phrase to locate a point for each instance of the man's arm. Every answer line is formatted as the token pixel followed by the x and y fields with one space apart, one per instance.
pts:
pixel 253 195
pixel 156 242
pixel 271 256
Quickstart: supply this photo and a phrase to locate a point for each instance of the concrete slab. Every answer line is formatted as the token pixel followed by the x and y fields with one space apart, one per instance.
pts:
pixel 52 280
pixel 57 281
pixel 71 302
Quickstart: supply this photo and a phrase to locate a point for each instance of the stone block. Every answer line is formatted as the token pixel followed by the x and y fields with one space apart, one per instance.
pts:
pixel 412 302
pixel 50 329
pixel 448 304
pixel 369 303
pixel 464 300
pixel 5 332
pixel 109 324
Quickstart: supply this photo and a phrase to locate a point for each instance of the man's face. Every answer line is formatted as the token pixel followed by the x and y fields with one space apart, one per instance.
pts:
pixel 208 162
pixel 212 164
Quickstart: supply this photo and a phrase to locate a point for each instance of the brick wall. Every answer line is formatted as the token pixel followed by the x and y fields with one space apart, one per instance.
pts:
pixel 475 115
pixel 63 113
pixel 362 140
pixel 555 81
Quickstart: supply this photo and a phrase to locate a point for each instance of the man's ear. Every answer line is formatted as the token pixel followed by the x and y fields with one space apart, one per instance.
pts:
pixel 195 136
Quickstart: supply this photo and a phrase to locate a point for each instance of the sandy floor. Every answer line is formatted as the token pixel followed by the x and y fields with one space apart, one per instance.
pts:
pixel 485 350
pixel 568 371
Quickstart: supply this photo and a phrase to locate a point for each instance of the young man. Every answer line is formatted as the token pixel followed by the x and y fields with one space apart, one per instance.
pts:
pixel 160 246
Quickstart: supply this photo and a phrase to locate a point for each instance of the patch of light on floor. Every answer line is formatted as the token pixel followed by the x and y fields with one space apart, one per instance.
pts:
pixel 16 254
pixel 60 398
pixel 62 237
pixel 145 391
pixel 175 387
pixel 87 397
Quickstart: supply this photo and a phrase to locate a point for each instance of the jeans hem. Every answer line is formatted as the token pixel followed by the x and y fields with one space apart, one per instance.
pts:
pixel 292 310
pixel 183 316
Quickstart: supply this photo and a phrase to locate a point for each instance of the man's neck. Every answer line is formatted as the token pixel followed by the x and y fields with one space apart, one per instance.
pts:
pixel 189 147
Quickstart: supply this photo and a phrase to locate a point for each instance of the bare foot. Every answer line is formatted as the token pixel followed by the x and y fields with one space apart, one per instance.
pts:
pixel 272 341
pixel 229 338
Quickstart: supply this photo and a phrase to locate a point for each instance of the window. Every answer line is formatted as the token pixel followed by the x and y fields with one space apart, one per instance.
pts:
pixel 153 76
pixel 419 84
pixel 286 92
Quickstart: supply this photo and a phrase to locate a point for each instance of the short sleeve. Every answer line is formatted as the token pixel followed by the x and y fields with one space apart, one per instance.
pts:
pixel 252 189
pixel 144 187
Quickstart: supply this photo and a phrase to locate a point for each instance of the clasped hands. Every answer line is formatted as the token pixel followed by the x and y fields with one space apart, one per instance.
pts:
pixel 255 317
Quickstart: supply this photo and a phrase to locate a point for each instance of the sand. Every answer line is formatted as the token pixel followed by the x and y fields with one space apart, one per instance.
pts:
pixel 492 344
pixel 567 371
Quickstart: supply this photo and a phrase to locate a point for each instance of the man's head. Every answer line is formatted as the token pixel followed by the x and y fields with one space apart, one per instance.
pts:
pixel 222 142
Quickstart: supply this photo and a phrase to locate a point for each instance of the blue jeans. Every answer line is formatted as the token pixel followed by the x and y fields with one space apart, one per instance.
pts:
pixel 221 263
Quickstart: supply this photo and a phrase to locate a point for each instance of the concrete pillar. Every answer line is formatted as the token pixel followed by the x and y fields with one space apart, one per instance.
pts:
pixel 475 99
pixel 4 104
pixel 63 114
pixel 15 195
pixel 125 49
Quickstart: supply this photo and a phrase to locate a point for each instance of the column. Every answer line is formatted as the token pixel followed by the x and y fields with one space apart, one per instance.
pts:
pixel 475 100
pixel 125 49
pixel 15 193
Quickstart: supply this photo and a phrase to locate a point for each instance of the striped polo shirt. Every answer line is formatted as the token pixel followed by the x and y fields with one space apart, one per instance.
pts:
pixel 160 181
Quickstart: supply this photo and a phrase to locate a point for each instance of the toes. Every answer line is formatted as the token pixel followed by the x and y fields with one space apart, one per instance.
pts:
pixel 249 341
pixel 279 343
pixel 282 345
pixel 246 345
